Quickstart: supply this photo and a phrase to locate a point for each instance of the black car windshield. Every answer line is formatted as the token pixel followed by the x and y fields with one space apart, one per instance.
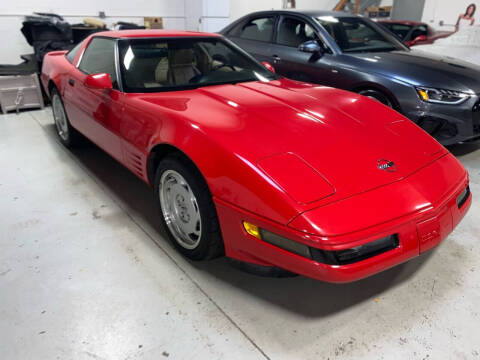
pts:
pixel 354 34
pixel 401 30
pixel 162 64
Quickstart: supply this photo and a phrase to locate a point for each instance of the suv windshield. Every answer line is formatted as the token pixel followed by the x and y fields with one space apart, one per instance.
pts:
pixel 354 34
pixel 153 65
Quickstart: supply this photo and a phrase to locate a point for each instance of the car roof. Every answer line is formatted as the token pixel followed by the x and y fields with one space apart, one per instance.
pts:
pixel 153 33
pixel 311 13
pixel 403 22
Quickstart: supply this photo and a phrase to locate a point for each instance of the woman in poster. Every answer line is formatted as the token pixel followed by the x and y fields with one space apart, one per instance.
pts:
pixel 466 19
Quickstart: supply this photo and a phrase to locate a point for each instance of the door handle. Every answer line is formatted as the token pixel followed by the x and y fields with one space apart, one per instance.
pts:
pixel 71 82
pixel 276 58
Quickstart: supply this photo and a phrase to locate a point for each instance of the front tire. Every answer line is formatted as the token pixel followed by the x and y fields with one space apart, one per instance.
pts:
pixel 187 210
pixel 68 136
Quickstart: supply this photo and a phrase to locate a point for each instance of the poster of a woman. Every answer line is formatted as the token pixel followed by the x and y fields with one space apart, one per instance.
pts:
pixel 466 19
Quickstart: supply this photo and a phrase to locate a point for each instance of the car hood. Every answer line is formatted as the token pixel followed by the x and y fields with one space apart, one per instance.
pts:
pixel 342 136
pixel 418 67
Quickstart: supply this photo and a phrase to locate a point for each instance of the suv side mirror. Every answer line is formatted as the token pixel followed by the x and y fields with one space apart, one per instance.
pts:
pixel 99 81
pixel 311 46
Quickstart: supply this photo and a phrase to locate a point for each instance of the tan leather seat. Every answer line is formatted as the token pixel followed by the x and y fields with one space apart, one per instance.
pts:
pixel 161 71
pixel 182 66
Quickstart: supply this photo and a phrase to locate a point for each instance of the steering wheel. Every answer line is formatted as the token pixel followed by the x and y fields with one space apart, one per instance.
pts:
pixel 219 66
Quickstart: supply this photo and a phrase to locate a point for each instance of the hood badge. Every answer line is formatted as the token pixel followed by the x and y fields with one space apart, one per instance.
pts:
pixel 386 165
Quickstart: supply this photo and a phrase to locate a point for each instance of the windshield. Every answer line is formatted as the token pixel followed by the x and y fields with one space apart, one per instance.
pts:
pixel 401 30
pixel 354 34
pixel 153 65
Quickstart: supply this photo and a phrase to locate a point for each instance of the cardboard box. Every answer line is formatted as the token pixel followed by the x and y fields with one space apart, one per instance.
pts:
pixel 153 22
pixel 384 11
pixel 376 11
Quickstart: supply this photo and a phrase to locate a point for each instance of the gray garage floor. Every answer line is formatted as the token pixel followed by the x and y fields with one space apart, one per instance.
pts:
pixel 85 273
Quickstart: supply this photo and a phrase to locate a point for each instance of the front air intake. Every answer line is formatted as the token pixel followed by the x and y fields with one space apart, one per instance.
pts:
pixel 359 253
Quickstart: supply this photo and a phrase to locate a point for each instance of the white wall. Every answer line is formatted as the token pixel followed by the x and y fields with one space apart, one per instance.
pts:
pixel 447 11
pixel 239 8
pixel 12 13
pixel 207 15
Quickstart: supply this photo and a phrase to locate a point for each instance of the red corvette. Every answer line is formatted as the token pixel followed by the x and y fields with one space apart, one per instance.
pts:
pixel 265 170
pixel 413 33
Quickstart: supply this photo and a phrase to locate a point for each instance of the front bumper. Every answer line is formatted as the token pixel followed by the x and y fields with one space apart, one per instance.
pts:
pixel 449 124
pixel 417 232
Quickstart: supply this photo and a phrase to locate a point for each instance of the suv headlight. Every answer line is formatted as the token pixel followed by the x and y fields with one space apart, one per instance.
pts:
pixel 441 96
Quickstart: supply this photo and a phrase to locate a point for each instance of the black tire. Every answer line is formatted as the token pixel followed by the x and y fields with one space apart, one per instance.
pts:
pixel 377 95
pixel 210 243
pixel 68 135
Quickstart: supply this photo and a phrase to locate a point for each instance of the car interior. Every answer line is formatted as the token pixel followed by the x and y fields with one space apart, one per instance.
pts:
pixel 353 35
pixel 294 32
pixel 169 65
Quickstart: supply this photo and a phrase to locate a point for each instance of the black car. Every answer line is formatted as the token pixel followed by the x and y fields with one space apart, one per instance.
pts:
pixel 350 52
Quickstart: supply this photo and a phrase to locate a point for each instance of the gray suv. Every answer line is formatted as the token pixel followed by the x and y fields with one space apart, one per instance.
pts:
pixel 349 52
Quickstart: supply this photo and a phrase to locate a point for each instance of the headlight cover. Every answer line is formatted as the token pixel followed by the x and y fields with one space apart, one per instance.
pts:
pixel 441 96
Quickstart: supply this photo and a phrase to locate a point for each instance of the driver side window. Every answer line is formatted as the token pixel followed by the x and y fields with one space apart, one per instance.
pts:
pixel 99 57
pixel 260 29
pixel 293 32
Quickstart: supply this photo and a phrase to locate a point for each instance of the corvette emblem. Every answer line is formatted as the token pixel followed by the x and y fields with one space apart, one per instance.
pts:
pixel 386 165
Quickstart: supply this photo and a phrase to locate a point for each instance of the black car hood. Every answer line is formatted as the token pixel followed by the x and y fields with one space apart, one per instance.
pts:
pixel 420 68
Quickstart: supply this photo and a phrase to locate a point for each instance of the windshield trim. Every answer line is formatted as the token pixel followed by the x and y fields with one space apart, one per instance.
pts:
pixel 228 43
pixel 187 87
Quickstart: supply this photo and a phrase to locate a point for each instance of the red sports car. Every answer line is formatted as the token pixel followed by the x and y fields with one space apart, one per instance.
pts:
pixel 265 170
pixel 413 33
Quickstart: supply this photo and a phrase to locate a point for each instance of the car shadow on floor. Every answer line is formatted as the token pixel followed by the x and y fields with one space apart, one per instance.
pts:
pixel 464 149
pixel 299 294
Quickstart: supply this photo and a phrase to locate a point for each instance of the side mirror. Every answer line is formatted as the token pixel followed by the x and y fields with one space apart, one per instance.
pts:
pixel 311 47
pixel 419 39
pixel 99 81
pixel 268 66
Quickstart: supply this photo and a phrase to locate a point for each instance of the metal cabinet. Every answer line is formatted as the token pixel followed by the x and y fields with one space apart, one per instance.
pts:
pixel 20 92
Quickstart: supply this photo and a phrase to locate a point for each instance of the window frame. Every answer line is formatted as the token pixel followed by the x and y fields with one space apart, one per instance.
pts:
pixel 77 48
pixel 297 18
pixel 172 38
pixel 119 84
pixel 234 34
pixel 325 43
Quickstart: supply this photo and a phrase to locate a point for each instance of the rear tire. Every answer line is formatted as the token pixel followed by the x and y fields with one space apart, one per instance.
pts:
pixel 377 95
pixel 68 136
pixel 187 209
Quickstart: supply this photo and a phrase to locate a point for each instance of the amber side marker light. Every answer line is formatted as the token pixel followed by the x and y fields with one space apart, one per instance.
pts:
pixel 252 229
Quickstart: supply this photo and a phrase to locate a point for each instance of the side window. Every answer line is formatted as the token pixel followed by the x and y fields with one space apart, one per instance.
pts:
pixel 260 29
pixel 419 31
pixel 73 53
pixel 400 30
pixel 294 32
pixel 99 57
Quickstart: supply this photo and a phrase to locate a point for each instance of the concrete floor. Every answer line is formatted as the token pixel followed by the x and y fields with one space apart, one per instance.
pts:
pixel 86 273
